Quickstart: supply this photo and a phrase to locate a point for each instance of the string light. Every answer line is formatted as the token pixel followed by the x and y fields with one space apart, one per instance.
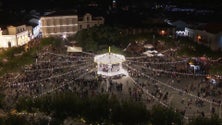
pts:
pixel 169 86
pixel 52 77
pixel 61 86
pixel 170 72
pixel 160 63
pixel 50 69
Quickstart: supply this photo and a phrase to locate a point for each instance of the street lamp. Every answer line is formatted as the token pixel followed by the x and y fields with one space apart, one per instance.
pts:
pixel 198 38
pixel 64 36
pixel 162 32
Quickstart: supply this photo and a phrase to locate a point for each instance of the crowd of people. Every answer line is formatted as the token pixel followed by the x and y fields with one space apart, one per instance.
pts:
pixel 196 94
pixel 152 80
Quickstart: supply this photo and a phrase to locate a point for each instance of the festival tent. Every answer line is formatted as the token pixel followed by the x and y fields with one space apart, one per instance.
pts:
pixel 160 55
pixel 152 51
pixel 148 54
pixel 74 49
pixel 148 46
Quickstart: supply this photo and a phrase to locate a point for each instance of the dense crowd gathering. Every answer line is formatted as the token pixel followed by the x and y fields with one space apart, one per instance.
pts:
pixel 194 92
pixel 152 80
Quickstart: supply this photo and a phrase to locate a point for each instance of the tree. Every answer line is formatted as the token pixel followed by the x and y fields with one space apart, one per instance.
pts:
pixel 165 116
pixel 214 120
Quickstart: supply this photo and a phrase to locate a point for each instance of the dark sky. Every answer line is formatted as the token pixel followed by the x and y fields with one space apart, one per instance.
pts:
pixel 38 4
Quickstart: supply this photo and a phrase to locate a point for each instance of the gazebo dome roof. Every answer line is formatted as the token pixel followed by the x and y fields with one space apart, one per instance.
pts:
pixel 109 58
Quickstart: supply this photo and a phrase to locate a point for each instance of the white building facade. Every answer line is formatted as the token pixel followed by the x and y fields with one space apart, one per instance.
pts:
pixel 59 25
pixel 88 21
pixel 14 36
pixel 35 23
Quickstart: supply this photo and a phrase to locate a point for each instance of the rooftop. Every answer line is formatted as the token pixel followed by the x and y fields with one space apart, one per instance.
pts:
pixel 213 27
pixel 109 58
pixel 62 13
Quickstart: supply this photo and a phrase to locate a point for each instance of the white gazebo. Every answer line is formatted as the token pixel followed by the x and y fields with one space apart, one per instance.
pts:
pixel 110 64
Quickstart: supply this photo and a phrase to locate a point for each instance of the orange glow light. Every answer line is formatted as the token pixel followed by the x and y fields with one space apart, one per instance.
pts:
pixel 162 32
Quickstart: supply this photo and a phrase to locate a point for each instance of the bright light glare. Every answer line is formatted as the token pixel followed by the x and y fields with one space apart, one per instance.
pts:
pixel 64 36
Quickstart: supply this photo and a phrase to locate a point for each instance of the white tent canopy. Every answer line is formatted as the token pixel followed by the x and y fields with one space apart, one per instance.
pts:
pixel 152 51
pixel 148 54
pixel 160 54
pixel 148 46
pixel 74 49
pixel 109 58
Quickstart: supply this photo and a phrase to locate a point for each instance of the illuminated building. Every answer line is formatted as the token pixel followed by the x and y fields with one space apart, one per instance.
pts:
pixel 210 35
pixel 67 23
pixel 59 24
pixel 88 21
pixel 14 36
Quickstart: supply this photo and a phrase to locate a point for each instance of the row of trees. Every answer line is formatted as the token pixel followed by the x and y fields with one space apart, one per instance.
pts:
pixel 97 38
pixel 106 109
pixel 94 38
pixel 98 109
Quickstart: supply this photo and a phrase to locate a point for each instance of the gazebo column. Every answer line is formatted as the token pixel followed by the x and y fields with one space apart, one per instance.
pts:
pixel 109 68
pixel 98 67
pixel 120 66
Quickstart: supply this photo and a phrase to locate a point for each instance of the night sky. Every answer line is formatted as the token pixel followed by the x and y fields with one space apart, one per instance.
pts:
pixel 62 4
pixel 138 9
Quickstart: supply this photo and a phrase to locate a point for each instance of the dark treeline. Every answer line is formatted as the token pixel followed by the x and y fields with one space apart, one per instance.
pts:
pixel 99 109
pixel 104 109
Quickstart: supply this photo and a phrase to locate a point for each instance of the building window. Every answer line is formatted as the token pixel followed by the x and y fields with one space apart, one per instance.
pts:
pixel 73 21
pixel 53 22
pixel 88 26
pixel 47 23
pixel 87 19
pixel 66 29
pixel 43 22
pixel 47 30
pixel 9 44
pixel 60 22
pixel 64 22
pixel 74 29
pixel 56 21
pixel 67 21
pixel 80 27
pixel 70 21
